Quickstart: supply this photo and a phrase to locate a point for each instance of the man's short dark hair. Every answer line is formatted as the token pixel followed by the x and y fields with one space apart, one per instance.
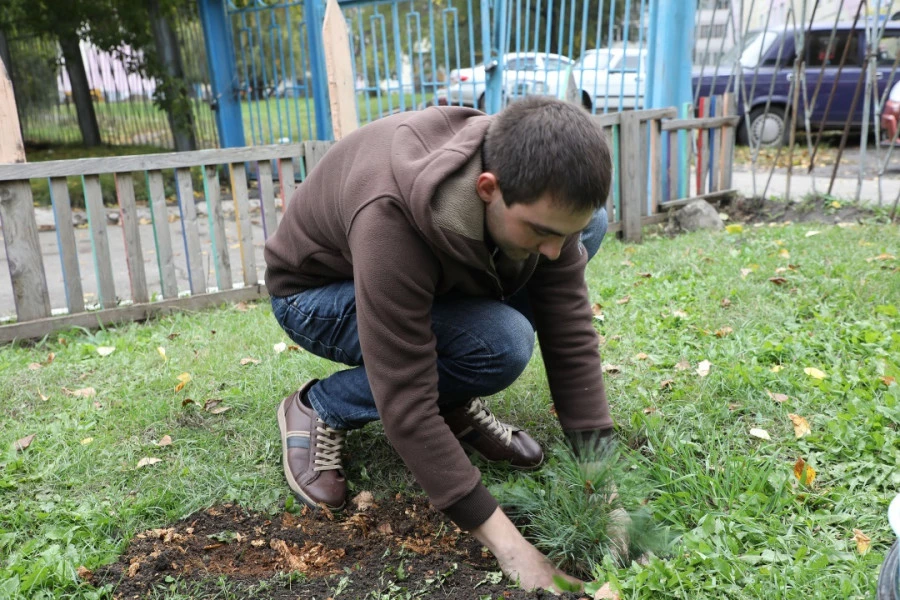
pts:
pixel 539 144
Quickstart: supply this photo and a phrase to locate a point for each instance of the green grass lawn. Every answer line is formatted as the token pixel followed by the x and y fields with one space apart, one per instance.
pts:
pixel 823 344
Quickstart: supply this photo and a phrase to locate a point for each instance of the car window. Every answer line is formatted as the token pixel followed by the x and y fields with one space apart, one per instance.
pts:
pixel 594 61
pixel 889 49
pixel 825 49
pixel 521 64
pixel 632 63
pixel 555 64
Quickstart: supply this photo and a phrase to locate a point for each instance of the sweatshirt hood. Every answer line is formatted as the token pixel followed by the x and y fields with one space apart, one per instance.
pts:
pixel 436 163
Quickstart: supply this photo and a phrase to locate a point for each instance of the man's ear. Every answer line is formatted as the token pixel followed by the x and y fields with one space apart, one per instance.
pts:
pixel 487 187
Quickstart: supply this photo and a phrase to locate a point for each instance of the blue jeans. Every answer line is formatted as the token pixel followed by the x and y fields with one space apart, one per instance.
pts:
pixel 482 345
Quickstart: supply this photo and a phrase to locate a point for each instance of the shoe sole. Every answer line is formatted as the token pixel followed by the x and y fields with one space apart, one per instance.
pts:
pixel 289 477
pixel 475 452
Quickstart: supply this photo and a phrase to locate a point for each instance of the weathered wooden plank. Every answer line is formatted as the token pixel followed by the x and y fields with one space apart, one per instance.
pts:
pixel 703 149
pixel 93 201
pixel 147 162
pixel 286 179
pixel 607 120
pixel 656 165
pixel 314 150
pixel 132 236
pixel 629 159
pixel 708 196
pixel 339 65
pixel 654 114
pixel 673 166
pixel 23 251
pixel 242 219
pixel 68 247
pixel 701 123
pixel 727 146
pixel 189 231
pixel 161 234
pixel 218 239
pixel 643 140
pixel 128 313
pixel 715 146
pixel 267 198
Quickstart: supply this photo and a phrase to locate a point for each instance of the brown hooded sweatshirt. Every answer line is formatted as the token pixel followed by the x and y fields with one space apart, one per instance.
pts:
pixel 393 207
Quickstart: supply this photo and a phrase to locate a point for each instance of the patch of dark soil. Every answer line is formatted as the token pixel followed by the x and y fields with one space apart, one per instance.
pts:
pixel 391 549
pixel 810 210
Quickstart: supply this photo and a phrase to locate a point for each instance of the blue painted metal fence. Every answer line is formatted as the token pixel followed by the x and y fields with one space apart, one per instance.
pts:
pixel 408 54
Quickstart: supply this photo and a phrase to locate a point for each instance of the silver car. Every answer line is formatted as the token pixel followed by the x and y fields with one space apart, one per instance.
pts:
pixel 611 78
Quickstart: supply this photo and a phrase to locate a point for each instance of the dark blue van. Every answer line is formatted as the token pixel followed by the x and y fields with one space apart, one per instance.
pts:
pixel 767 68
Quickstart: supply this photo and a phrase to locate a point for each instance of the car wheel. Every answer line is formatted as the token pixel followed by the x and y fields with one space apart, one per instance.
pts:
pixel 768 129
pixel 889 579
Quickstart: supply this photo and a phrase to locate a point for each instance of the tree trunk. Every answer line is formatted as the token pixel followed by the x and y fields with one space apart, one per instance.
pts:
pixel 6 59
pixel 177 104
pixel 81 89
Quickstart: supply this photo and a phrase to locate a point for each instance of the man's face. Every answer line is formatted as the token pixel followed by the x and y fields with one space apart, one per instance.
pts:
pixel 538 228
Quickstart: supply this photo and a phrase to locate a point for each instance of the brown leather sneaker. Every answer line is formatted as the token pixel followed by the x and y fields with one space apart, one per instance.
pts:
pixel 480 432
pixel 311 453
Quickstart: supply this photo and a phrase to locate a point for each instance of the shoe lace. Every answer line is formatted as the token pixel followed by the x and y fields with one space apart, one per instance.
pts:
pixel 484 417
pixel 329 444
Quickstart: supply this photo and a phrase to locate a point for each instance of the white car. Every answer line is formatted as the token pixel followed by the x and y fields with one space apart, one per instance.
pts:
pixel 525 73
pixel 612 78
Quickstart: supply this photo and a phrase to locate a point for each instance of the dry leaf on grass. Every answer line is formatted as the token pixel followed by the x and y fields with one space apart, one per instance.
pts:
pixel 162 352
pixel 105 350
pixel 783 253
pixel 364 500
pixel 249 361
pixel 213 406
pixel 888 380
pixel 597 310
pixel 803 472
pixel 812 233
pixel 882 257
pixel 279 347
pixel 703 368
pixel 679 314
pixel 814 373
pixel 23 443
pixel 801 425
pixel 745 272
pixel 612 369
pixel 649 410
pixel 724 331
pixel 776 368
pixel 165 441
pixel 86 441
pixel 624 300
pixel 682 365
pixel 725 303
pixel 183 380
pixel 84 573
pixel 760 433
pixel 862 541
pixel 778 397
pixel 34 366
pixel 641 356
pixel 147 461
pixel 778 280
pixel 87 392
pixel 666 383
pixel 241 307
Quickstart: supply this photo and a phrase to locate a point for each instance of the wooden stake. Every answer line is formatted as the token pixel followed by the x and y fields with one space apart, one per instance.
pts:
pixel 12 150
pixel 339 65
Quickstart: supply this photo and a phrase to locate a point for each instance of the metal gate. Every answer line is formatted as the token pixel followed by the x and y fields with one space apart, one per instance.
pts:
pixel 408 54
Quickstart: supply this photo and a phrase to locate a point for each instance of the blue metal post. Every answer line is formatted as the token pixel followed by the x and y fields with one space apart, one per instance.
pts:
pixel 222 72
pixel 494 85
pixel 671 48
pixel 314 15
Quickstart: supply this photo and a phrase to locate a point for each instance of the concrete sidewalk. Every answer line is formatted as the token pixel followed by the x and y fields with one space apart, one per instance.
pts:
pixel 803 185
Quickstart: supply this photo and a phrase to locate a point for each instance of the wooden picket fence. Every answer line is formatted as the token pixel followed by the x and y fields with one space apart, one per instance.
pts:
pixel 649 167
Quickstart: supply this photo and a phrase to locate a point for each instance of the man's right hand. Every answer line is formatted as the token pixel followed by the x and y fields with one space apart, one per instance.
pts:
pixel 518 558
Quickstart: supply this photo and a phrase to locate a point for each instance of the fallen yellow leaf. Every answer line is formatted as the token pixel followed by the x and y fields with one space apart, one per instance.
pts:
pixel 87 441
pixel 803 472
pixel 724 331
pixel 680 314
pixel 882 256
pixel 183 380
pixel 279 347
pixel 165 441
pixel 624 300
pixel 812 233
pixel 606 593
pixel 162 352
pixel 734 228
pixel 801 425
pixel 814 373
pixel 147 461
pixel 611 369
pixel 667 383
pixel 641 356
pixel 862 541
pixel 888 380
pixel 776 368
pixel 249 361
pixel 87 392
pixel 745 272
pixel 34 366
pixel 105 350
pixel 783 253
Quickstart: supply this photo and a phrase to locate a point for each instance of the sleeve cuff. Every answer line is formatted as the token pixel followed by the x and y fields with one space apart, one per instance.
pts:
pixel 473 509
pixel 592 444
